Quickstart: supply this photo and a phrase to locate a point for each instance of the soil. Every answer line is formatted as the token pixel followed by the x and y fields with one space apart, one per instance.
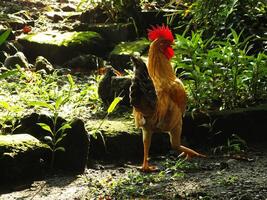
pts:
pixel 215 177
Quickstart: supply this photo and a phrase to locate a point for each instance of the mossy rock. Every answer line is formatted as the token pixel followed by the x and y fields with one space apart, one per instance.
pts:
pixel 123 140
pixel 112 32
pixel 21 156
pixel 59 47
pixel 120 55
pixel 71 160
pixel 131 48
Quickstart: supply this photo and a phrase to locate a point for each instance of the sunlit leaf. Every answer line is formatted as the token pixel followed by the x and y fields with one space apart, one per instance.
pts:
pixel 45 127
pixel 70 79
pixel 64 127
pixel 8 73
pixel 4 36
pixel 41 104
pixel 114 103
pixel 59 102
pixel 5 105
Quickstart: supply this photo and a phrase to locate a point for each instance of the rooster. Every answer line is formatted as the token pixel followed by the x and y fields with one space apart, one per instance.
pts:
pixel 162 108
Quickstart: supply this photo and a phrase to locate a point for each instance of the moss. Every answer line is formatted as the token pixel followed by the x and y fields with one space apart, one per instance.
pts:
pixel 113 127
pixel 62 39
pixel 13 144
pixel 131 48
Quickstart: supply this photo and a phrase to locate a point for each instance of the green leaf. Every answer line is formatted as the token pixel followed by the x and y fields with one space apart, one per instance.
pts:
pixel 4 36
pixel 64 127
pixel 71 81
pixel 45 127
pixel 4 105
pixel 235 36
pixel 41 104
pixel 61 138
pixel 48 139
pixel 114 103
pixel 8 73
pixel 59 102
pixel 60 149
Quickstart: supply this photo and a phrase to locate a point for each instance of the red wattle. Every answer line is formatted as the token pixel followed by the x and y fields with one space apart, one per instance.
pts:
pixel 169 52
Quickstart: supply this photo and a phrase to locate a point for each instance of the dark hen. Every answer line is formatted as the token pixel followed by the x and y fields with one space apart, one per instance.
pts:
pixel 113 85
pixel 142 91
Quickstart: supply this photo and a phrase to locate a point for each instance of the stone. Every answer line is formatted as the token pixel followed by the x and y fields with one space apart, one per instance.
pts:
pixel 21 157
pixel 58 47
pixel 76 144
pixel 112 32
pixel 69 8
pixel 84 63
pixel 9 47
pixel 42 63
pixel 120 56
pixel 17 59
pixel 15 22
pixel 3 56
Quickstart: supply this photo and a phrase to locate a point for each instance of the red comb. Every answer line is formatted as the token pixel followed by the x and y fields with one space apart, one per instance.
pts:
pixel 160 32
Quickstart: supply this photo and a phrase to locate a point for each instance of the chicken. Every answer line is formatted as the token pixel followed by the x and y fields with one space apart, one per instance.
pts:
pixel 164 111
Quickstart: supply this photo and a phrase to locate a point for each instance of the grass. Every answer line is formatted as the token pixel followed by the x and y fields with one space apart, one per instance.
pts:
pixel 135 184
pixel 19 89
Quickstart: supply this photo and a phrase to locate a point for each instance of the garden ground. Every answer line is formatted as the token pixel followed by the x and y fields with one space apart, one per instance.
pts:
pixel 216 177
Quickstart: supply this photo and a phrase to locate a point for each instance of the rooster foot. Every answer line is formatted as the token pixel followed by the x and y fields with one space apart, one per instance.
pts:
pixel 189 155
pixel 148 169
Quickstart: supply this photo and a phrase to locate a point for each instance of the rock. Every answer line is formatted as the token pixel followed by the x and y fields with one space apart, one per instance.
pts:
pixel 112 85
pixel 54 16
pixel 58 47
pixel 15 21
pixel 95 15
pixel 17 59
pixel 3 56
pixel 28 124
pixel 247 123
pixel 21 157
pixel 69 8
pixel 9 48
pixel 112 32
pixel 42 63
pixel 121 54
pixel 87 63
pixel 76 143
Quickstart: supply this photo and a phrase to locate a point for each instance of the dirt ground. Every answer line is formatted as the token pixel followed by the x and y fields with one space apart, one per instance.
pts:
pixel 215 177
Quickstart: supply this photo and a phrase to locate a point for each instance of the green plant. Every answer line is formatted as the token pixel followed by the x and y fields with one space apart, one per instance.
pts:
pixel 234 145
pixel 229 180
pixel 4 36
pixel 110 109
pixel 8 121
pixel 56 134
pixel 220 74
pixel 216 18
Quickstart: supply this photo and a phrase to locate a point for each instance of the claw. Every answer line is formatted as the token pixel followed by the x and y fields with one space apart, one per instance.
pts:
pixel 148 168
pixel 189 155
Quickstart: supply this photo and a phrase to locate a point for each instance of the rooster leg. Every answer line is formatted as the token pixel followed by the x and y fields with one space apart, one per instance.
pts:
pixel 147 135
pixel 175 139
